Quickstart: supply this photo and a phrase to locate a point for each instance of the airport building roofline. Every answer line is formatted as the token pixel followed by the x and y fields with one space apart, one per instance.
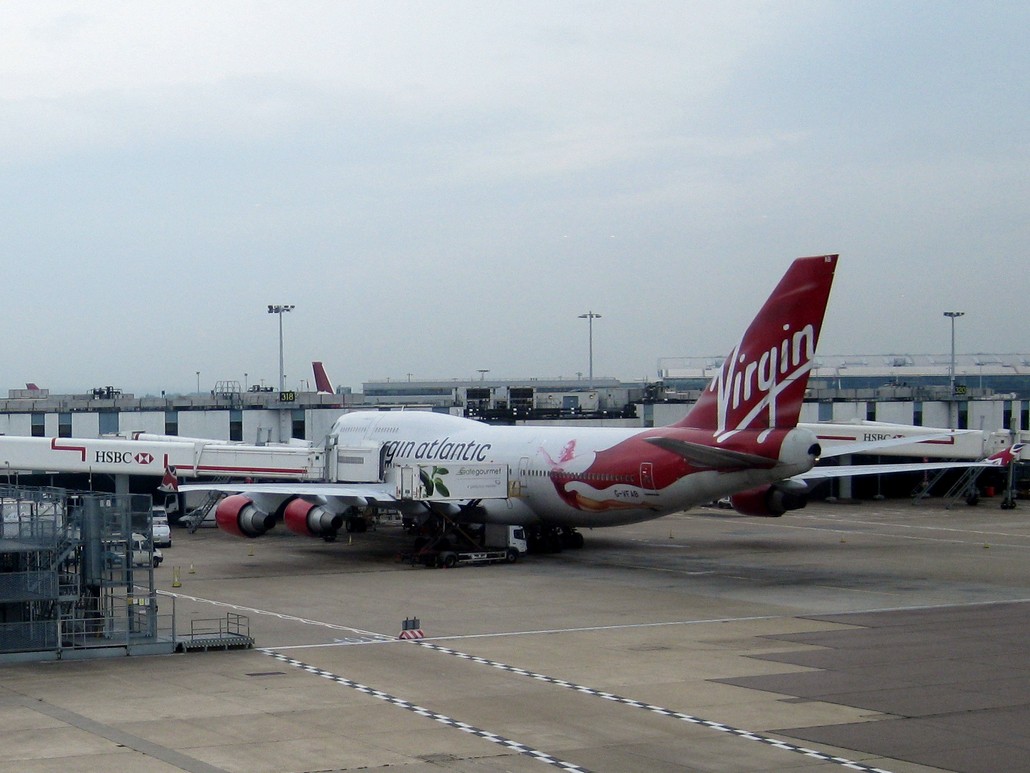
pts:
pixel 887 365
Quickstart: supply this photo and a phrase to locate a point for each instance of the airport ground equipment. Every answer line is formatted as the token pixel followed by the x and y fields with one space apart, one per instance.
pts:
pixel 965 485
pixel 192 519
pixel 411 629
pixel 466 545
pixel 231 632
pixel 77 577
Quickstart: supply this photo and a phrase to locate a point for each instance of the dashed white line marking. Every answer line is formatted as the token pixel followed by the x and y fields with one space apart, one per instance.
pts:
pixel 372 637
pixel 521 748
pixel 700 721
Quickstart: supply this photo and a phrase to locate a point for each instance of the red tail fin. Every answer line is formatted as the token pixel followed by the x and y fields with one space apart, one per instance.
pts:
pixel 322 382
pixel 1006 456
pixel 762 382
pixel 170 481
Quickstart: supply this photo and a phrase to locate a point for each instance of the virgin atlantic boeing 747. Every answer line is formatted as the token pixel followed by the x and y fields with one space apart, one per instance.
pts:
pixel 740 440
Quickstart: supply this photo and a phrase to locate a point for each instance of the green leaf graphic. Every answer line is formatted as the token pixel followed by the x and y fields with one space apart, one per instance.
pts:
pixel 426 481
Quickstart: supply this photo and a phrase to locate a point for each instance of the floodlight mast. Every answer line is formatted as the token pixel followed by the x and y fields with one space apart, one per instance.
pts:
pixel 953 315
pixel 952 419
pixel 590 316
pixel 280 309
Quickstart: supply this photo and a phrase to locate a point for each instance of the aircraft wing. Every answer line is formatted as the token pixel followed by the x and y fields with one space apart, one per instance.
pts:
pixel 431 483
pixel 849 470
pixel 351 493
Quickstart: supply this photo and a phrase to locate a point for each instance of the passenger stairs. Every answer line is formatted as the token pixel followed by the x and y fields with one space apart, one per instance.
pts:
pixel 196 516
pixel 963 488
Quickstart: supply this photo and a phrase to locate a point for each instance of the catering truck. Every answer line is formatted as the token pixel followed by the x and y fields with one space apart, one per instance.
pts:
pixel 489 543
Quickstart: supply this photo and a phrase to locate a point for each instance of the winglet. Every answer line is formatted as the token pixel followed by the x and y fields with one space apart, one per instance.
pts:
pixel 762 382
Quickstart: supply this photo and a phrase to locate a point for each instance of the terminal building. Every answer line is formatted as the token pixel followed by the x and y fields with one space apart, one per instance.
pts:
pixel 987 391
pixel 991 392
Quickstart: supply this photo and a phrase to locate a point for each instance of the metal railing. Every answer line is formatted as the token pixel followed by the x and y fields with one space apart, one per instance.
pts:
pixel 232 624
pixel 31 636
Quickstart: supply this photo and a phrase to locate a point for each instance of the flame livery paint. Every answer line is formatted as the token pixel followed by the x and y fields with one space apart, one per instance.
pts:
pixel 756 396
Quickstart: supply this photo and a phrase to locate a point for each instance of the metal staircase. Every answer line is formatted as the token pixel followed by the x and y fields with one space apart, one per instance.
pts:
pixel 963 488
pixel 196 516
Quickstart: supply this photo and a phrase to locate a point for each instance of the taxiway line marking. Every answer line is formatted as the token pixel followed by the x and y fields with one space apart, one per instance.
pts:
pixel 373 637
pixel 378 638
pixel 521 748
pixel 708 723
pixel 279 615
pixel 877 526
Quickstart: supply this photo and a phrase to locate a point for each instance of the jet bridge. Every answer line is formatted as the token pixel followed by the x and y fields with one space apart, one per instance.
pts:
pixel 364 463
pixel 154 454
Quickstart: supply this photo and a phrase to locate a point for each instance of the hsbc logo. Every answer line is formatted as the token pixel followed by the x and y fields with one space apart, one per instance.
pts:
pixel 870 437
pixel 122 457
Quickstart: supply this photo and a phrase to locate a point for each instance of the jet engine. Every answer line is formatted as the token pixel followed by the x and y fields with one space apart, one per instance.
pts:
pixel 311 520
pixel 771 501
pixel 238 515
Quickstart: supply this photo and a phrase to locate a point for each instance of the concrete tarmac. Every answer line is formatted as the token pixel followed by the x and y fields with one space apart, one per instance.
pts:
pixel 877 636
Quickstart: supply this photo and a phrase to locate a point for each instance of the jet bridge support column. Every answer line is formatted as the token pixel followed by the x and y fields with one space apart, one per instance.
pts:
pixel 285 425
pixel 121 484
pixel 844 484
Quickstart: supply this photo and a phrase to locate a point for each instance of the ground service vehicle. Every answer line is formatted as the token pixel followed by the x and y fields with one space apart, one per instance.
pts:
pixel 489 543
pixel 161 531
pixel 141 554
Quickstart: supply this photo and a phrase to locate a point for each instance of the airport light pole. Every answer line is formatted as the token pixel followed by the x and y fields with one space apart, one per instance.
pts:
pixel 953 315
pixel 952 407
pixel 280 309
pixel 590 316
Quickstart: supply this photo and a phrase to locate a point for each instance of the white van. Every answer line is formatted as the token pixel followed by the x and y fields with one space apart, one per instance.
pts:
pixel 140 552
pixel 162 532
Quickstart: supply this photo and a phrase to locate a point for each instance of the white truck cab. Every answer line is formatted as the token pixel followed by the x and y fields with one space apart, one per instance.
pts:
pixel 159 523
pixel 140 552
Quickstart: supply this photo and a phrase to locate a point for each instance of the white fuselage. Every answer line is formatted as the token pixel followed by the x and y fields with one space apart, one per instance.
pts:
pixel 573 476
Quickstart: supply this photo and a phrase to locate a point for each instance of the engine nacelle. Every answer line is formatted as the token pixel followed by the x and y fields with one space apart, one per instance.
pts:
pixel 311 520
pixel 238 515
pixel 769 501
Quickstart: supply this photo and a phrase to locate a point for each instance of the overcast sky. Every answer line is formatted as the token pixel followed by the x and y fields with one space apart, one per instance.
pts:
pixel 444 187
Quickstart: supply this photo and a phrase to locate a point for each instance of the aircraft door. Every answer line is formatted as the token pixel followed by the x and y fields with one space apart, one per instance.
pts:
pixel 406 490
pixel 521 484
pixel 647 475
